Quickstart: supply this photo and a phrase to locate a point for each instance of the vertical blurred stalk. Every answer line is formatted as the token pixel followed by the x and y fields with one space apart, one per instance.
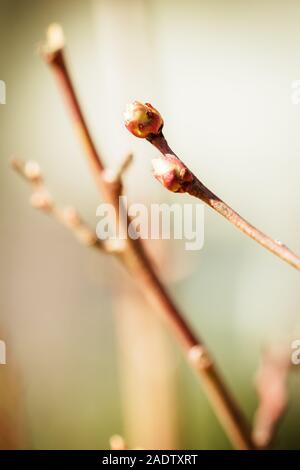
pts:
pixel 147 375
pixel 146 363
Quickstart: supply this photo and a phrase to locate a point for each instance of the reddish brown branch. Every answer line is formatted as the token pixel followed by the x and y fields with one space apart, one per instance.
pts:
pixel 141 120
pixel 139 265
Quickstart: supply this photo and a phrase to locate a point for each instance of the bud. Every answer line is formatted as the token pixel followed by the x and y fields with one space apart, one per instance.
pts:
pixel 117 442
pixel 32 171
pixel 71 217
pixel 199 357
pixel 142 120
pixel 55 37
pixel 172 174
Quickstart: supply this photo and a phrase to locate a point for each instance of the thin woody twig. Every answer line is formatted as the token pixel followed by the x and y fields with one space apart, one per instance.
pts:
pixel 125 163
pixel 42 200
pixel 115 177
pixel 139 265
pixel 144 121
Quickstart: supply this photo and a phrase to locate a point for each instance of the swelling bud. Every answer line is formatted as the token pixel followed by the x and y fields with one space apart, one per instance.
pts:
pixel 172 174
pixel 142 120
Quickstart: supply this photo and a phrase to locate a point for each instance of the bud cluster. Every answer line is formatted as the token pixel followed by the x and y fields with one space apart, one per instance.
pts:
pixel 144 121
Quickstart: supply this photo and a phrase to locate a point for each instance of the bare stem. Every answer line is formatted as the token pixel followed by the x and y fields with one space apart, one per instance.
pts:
pixel 140 266
pixel 195 188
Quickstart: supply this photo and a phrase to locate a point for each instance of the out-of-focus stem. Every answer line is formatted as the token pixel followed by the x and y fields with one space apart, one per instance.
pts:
pixel 147 373
pixel 42 200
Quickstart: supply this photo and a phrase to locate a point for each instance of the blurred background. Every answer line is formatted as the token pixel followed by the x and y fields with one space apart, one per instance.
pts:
pixel 86 358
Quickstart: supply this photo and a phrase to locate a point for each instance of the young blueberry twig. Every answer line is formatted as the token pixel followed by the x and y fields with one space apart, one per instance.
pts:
pixel 42 200
pixel 116 176
pixel 137 262
pixel 142 121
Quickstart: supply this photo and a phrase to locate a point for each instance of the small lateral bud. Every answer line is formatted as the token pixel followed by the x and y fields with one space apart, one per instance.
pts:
pixel 85 235
pixel 55 37
pixel 117 442
pixel 172 174
pixel 142 120
pixel 42 200
pixel 199 357
pixel 71 217
pixel 32 171
pixel 53 47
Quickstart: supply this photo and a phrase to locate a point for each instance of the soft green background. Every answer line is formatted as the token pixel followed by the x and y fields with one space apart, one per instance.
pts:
pixel 221 74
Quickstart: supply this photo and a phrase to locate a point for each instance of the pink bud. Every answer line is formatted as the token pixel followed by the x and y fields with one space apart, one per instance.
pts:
pixel 142 120
pixel 172 174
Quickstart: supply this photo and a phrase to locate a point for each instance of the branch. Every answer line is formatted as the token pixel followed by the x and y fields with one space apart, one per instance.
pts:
pixel 144 121
pixel 41 199
pixel 115 177
pixel 140 266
